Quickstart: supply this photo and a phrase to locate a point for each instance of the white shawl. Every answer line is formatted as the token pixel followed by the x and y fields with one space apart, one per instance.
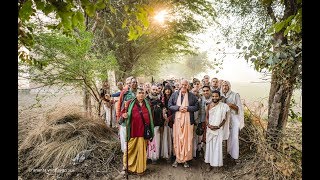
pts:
pixel 234 98
pixel 216 115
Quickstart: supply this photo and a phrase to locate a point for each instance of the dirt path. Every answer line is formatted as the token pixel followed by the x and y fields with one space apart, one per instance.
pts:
pixel 166 171
pixel 196 171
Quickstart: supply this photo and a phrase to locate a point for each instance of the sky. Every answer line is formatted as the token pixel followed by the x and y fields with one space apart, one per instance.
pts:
pixel 233 68
pixel 236 70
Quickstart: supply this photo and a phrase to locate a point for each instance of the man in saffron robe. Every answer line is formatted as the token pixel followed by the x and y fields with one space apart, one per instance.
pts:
pixel 183 104
pixel 138 112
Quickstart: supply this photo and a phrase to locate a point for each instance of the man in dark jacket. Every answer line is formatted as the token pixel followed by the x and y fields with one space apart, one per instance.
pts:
pixel 183 104
pixel 156 109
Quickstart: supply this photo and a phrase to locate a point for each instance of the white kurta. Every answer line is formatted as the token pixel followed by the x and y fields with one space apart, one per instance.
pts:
pixel 233 141
pixel 236 124
pixel 166 151
pixel 153 148
pixel 122 135
pixel 108 119
pixel 214 152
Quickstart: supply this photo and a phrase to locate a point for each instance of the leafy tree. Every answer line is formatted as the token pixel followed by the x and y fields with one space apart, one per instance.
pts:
pixel 125 28
pixel 119 27
pixel 68 62
pixel 269 34
pixel 158 42
pixel 70 16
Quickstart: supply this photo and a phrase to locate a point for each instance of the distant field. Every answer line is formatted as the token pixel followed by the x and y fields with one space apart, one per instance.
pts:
pixel 253 93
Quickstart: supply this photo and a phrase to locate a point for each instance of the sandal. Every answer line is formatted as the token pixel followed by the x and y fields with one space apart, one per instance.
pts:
pixel 175 164
pixel 186 165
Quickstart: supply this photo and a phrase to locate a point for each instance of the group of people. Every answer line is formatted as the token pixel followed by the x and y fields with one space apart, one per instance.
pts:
pixel 187 120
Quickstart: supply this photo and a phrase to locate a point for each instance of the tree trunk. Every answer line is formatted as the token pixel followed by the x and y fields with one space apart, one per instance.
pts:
pixel 87 102
pixel 279 102
pixel 126 59
pixel 282 83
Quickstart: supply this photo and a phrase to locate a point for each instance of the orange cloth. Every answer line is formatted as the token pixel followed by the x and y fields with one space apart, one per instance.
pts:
pixel 182 132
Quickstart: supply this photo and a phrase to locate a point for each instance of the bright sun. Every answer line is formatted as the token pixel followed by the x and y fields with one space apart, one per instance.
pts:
pixel 161 16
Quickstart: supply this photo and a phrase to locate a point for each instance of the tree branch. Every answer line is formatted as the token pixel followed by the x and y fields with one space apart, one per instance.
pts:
pixel 271 14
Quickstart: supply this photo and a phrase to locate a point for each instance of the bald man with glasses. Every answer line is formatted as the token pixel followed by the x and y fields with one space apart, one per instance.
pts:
pixel 183 104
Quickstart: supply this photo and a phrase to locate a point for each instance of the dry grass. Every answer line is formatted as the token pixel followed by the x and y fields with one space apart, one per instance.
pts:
pixel 265 161
pixel 55 142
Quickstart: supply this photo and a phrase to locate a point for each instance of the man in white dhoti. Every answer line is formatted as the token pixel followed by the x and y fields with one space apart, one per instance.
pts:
pixel 232 99
pixel 217 120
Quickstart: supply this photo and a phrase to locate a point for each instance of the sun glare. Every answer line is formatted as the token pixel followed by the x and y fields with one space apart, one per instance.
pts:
pixel 161 16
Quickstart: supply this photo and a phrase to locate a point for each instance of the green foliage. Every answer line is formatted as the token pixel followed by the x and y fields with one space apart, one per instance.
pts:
pixel 90 9
pixel 295 116
pixel 136 19
pixel 141 44
pixel 26 10
pixel 291 24
pixel 68 13
pixel 275 47
pixel 278 57
pixel 295 24
pixel 65 60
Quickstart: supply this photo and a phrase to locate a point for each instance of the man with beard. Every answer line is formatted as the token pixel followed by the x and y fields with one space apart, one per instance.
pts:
pixel 232 99
pixel 183 104
pixel 156 109
pixel 217 121
pixel 214 84
pixel 206 99
pixel 126 94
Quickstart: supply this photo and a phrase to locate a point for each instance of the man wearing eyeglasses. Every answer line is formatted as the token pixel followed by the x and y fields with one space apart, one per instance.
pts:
pixel 206 80
pixel 183 104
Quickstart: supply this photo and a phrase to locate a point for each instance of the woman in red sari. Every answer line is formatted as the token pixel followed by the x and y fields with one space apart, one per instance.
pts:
pixel 137 113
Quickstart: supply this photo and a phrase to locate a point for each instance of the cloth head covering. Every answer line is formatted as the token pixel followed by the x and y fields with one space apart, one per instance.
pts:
pixel 234 98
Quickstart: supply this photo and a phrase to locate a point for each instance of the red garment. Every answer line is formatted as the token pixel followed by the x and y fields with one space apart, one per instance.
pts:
pixel 118 107
pixel 137 126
